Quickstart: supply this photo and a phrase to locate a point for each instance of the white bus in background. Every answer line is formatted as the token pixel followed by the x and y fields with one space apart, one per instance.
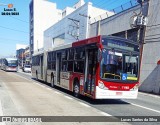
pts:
pixel 1 63
pixel 9 64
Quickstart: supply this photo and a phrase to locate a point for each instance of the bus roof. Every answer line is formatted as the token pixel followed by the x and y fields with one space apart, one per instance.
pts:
pixel 60 47
pixel 8 59
pixel 97 39
pixel 120 38
pixel 87 41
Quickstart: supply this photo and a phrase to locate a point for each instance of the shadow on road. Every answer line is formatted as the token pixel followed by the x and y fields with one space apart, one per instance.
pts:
pixel 103 101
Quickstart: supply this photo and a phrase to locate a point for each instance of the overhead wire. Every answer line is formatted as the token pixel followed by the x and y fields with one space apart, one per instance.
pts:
pixel 13 29
pixel 27 22
pixel 38 34
pixel 18 19
pixel 2 38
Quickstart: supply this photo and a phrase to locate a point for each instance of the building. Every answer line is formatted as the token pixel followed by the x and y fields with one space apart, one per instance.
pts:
pixel 117 24
pixel 27 55
pixel 150 71
pixel 43 14
pixel 120 25
pixel 20 49
pixel 85 21
pixel 73 26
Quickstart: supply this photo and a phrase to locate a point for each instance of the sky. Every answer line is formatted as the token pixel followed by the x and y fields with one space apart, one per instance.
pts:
pixel 15 29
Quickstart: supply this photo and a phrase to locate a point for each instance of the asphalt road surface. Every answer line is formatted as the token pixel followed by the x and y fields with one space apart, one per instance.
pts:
pixel 20 95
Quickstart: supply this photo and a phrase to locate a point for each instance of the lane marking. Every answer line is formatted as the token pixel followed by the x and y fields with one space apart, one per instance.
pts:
pixel 43 86
pixel 84 104
pixel 36 82
pixel 105 114
pixel 29 74
pixel 68 97
pixel 145 108
pixel 48 88
pixel 57 93
pixel 23 77
pixel 33 81
pixel 147 94
pixel 39 84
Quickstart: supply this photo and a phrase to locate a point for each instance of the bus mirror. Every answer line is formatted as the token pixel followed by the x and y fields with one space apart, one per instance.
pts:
pixel 99 55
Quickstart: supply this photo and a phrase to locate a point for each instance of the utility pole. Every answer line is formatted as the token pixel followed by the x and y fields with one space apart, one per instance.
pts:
pixel 76 22
pixel 22 59
pixel 86 16
pixel 140 20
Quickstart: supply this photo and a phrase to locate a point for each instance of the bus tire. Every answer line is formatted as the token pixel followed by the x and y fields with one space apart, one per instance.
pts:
pixel 76 89
pixel 52 81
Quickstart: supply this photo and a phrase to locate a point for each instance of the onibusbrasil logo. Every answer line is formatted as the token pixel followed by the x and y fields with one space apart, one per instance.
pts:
pixel 9 9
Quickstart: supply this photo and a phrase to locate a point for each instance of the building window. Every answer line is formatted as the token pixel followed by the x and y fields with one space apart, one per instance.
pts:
pixel 58 39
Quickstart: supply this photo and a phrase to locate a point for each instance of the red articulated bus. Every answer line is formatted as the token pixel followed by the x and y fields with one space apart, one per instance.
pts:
pixel 102 67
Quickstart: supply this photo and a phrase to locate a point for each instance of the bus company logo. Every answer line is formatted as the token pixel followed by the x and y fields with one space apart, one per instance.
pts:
pixel 9 10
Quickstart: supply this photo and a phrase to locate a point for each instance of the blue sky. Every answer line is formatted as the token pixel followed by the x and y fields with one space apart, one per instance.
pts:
pixel 15 30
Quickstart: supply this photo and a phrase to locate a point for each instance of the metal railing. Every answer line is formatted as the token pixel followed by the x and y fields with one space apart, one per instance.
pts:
pixel 114 11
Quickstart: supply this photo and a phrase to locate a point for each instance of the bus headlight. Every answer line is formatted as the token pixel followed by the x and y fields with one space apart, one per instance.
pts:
pixel 101 85
pixel 135 87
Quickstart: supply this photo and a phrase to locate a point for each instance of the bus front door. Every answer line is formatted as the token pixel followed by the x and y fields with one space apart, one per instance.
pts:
pixel 58 67
pixel 90 72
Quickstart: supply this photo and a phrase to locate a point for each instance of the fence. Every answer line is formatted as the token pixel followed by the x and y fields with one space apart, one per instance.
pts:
pixel 114 11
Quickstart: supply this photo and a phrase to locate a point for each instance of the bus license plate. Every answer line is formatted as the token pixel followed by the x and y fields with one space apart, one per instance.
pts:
pixel 118 93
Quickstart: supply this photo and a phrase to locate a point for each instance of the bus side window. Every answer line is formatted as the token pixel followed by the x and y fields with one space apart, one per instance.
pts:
pixel 70 66
pixel 79 60
pixel 79 66
pixel 64 66
pixel 70 60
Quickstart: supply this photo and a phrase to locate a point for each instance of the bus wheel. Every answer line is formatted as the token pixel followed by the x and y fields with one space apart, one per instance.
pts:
pixel 52 81
pixel 76 90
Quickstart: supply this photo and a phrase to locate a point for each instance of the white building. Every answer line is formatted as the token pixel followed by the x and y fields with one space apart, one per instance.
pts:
pixel 43 14
pixel 20 46
pixel 73 26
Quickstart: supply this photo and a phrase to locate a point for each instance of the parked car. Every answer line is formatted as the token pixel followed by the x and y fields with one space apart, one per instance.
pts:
pixel 26 68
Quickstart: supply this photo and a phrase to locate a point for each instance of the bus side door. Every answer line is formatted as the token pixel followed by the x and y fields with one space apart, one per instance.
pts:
pixel 91 60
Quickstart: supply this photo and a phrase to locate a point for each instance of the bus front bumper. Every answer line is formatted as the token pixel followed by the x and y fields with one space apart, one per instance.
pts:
pixel 111 94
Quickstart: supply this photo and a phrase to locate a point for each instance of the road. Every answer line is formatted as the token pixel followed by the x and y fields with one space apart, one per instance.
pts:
pixel 20 95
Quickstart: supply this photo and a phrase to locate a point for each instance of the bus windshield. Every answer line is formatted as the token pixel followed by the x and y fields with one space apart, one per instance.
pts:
pixel 119 66
pixel 12 63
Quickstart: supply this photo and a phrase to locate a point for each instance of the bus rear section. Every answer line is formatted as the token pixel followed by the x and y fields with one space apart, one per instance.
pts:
pixel 39 65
